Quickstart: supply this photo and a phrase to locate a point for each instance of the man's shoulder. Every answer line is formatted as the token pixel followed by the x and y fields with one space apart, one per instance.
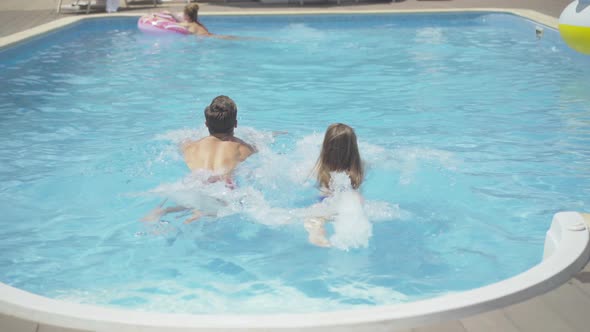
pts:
pixel 245 148
pixel 190 144
pixel 237 140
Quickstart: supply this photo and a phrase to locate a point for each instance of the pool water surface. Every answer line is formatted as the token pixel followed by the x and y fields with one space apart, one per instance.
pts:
pixel 473 131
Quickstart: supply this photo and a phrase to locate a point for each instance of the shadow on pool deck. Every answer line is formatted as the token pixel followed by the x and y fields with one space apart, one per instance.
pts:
pixel 565 309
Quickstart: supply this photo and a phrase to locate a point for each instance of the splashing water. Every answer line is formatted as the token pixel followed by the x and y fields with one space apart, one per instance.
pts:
pixel 352 228
pixel 350 215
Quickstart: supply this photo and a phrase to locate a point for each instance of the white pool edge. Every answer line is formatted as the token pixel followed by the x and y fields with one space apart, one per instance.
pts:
pixel 567 250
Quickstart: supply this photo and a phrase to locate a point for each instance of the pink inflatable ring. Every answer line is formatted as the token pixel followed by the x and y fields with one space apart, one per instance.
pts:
pixel 161 24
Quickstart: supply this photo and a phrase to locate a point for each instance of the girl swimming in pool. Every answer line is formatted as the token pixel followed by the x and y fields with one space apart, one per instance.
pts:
pixel 339 154
pixel 190 20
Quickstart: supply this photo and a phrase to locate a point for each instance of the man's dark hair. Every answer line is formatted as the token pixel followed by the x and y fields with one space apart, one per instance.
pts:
pixel 221 115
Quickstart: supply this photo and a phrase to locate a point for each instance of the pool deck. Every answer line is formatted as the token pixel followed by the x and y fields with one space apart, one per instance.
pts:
pixel 564 309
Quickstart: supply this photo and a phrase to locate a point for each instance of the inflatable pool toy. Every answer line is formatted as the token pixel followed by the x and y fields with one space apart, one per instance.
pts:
pixel 161 23
pixel 574 25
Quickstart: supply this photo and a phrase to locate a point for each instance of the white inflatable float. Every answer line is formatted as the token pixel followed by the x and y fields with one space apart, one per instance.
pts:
pixel 574 26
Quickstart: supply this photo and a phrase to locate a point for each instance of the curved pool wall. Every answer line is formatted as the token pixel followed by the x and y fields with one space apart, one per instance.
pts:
pixel 567 250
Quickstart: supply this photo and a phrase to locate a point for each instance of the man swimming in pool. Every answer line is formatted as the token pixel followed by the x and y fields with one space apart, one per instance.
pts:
pixel 219 153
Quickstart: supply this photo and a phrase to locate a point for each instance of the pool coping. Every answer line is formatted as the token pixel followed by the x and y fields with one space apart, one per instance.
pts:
pixel 566 252
pixel 40 30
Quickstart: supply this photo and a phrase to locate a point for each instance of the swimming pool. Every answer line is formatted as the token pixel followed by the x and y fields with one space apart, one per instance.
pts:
pixel 473 131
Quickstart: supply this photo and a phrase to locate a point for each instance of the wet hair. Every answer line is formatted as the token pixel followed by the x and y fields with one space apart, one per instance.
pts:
pixel 192 11
pixel 339 153
pixel 221 115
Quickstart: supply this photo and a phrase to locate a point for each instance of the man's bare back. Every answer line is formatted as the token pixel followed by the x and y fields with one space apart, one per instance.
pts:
pixel 220 152
pixel 220 155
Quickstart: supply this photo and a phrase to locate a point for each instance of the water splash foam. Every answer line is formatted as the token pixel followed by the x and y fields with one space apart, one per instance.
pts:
pixel 288 177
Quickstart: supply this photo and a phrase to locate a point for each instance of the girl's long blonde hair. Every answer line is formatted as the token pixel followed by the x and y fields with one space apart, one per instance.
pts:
pixel 192 11
pixel 339 153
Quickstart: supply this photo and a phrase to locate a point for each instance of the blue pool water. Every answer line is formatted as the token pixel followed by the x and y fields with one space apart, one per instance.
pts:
pixel 474 133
